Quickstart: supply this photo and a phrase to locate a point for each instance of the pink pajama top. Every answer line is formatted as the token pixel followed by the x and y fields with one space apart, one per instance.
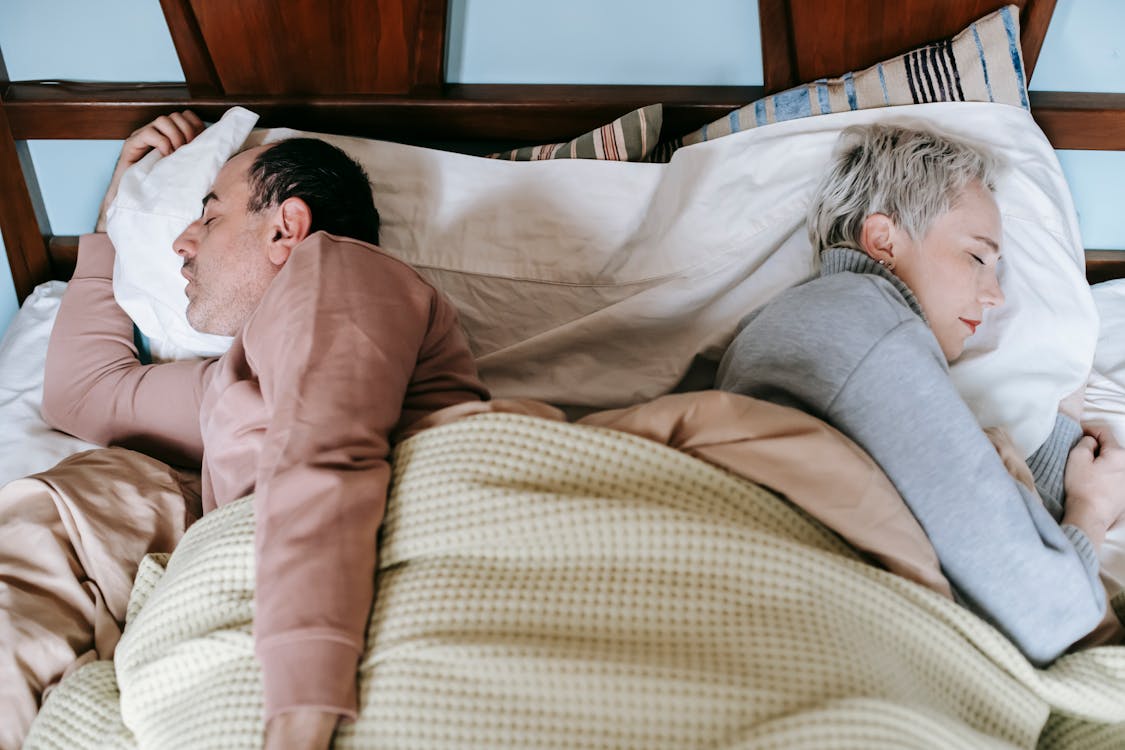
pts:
pixel 347 349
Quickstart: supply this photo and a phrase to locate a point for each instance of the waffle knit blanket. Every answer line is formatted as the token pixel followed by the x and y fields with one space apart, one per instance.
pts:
pixel 544 584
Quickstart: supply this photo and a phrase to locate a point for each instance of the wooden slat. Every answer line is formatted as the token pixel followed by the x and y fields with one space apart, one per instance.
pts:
pixel 1081 121
pixel 199 69
pixel 1034 20
pixel 491 112
pixel 1103 265
pixel 779 64
pixel 27 252
pixel 534 113
pixel 63 250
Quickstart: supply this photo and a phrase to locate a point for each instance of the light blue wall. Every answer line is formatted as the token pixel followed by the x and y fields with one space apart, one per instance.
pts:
pixel 1084 49
pixel 87 40
pixel 715 42
pixel 7 291
pixel 708 42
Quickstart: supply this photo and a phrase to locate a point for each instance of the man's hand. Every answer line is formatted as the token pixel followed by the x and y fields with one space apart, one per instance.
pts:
pixel 1095 483
pixel 301 729
pixel 165 134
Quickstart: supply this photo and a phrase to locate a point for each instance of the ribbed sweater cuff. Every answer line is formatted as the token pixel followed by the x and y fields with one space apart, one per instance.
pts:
pixel 1049 463
pixel 1083 546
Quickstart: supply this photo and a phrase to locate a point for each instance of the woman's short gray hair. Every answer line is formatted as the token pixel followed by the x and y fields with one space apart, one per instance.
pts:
pixel 912 175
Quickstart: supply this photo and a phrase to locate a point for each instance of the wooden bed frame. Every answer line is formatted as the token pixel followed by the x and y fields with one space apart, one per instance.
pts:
pixel 375 68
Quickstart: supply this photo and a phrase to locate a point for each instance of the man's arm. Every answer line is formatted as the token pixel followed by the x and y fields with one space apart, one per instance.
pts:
pixel 337 343
pixel 94 385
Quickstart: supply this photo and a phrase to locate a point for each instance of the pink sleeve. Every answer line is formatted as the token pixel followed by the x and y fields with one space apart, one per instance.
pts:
pixel 335 342
pixel 95 387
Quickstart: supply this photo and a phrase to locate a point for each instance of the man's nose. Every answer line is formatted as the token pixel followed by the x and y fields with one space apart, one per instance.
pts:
pixel 184 245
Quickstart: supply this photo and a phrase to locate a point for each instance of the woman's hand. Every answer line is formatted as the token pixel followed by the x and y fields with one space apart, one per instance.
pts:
pixel 1095 483
pixel 1013 460
pixel 165 134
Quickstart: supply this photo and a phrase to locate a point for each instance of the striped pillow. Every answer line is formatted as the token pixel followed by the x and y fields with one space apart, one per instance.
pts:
pixel 631 137
pixel 983 63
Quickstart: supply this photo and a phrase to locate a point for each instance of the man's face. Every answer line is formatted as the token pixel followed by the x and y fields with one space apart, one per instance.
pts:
pixel 225 253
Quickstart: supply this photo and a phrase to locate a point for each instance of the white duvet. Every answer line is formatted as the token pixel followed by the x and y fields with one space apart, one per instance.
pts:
pixel 597 283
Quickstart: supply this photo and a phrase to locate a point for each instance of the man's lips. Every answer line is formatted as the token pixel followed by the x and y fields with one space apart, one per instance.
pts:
pixel 972 324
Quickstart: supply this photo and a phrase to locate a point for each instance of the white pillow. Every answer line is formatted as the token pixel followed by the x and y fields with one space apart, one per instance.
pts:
pixel 157 199
pixel 27 444
pixel 1105 404
pixel 596 283
pixel 1105 391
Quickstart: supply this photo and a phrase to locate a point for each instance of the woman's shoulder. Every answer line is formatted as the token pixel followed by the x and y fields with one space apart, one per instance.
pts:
pixel 846 301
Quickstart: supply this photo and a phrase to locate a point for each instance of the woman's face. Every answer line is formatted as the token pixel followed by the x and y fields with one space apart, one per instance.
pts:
pixel 952 269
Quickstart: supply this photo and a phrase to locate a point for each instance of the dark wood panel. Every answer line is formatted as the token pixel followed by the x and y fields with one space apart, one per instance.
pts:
pixel 310 46
pixel 429 47
pixel 796 47
pixel 490 112
pixel 199 70
pixel 779 63
pixel 1081 121
pixel 27 252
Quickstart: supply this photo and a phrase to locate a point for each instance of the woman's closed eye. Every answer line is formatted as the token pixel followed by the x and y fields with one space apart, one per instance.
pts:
pixel 977 258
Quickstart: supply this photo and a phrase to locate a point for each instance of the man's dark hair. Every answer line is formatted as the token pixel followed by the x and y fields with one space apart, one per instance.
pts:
pixel 333 185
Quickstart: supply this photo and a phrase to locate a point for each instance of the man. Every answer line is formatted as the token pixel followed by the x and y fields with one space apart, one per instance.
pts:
pixel 337 348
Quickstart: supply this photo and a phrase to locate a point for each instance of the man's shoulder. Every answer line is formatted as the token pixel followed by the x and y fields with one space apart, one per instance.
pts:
pixel 337 262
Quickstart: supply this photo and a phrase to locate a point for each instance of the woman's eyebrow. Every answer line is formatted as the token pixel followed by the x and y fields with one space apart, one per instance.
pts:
pixel 988 241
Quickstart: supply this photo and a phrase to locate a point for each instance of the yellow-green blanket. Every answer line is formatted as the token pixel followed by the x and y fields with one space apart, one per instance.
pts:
pixel 551 585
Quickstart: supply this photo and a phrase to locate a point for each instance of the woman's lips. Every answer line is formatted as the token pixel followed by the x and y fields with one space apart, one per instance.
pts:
pixel 972 324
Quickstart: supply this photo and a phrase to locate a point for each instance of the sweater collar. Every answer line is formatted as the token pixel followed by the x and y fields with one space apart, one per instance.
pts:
pixel 845 259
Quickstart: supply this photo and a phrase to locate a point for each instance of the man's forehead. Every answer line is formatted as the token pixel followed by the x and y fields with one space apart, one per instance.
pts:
pixel 233 173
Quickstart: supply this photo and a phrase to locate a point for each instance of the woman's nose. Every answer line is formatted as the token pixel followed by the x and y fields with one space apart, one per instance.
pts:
pixel 992 295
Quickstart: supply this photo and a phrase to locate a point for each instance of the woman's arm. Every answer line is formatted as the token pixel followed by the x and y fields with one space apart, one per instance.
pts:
pixel 1005 555
pixel 847 351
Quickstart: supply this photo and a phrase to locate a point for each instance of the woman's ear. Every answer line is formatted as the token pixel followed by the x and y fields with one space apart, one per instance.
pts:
pixel 877 238
pixel 288 228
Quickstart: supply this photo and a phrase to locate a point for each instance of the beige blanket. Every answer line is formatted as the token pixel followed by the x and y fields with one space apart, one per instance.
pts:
pixel 544 584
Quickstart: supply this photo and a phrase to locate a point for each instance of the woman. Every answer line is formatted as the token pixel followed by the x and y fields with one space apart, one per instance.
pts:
pixel 909 239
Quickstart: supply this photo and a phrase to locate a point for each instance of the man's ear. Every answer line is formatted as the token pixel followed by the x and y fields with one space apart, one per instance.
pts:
pixel 877 238
pixel 289 226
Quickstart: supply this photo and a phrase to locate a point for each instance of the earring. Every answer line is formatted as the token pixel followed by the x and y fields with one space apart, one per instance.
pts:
pixel 889 265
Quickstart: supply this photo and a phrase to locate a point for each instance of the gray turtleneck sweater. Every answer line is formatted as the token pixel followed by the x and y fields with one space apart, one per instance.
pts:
pixel 853 348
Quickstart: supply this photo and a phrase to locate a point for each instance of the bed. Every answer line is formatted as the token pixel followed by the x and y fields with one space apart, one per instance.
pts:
pixel 637 577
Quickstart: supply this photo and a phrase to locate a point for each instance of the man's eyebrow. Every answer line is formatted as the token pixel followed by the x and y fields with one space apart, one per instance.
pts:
pixel 209 197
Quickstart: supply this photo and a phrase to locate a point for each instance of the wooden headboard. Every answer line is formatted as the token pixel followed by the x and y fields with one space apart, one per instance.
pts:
pixel 375 68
